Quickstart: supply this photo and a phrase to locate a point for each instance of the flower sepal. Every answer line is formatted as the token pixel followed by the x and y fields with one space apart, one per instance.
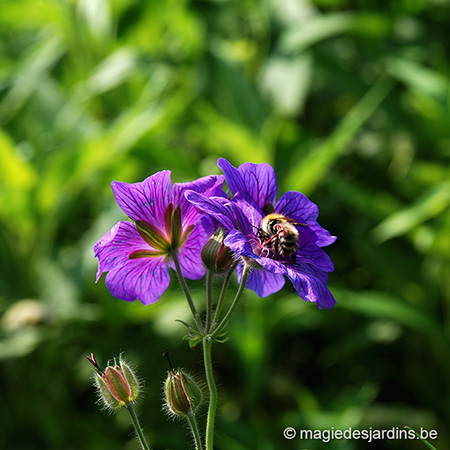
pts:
pixel 193 336
pixel 221 338
pixel 183 394
pixel 174 227
pixel 118 385
pixel 216 256
pixel 153 236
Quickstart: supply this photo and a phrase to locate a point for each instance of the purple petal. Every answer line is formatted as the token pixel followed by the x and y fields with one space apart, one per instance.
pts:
pixel 324 237
pixel 210 186
pixel 272 265
pixel 298 207
pixel 190 253
pixel 99 250
pixel 146 201
pixel 311 289
pixel 254 181
pixel 223 210
pixel 145 279
pixel 309 282
pixel 311 270
pixel 128 279
pixel 310 253
pixel 114 248
pixel 262 282
pixel 211 207
pixel 252 212
pixel 239 244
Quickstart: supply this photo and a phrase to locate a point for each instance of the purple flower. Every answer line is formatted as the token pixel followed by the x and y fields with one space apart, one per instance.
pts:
pixel 254 191
pixel 137 254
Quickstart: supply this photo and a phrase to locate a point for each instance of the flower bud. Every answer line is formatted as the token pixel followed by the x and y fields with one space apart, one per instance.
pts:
pixel 182 393
pixel 118 385
pixel 215 255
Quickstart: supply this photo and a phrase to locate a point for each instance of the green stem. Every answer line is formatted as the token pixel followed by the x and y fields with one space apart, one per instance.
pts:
pixel 195 433
pixel 233 306
pixel 226 281
pixel 209 305
pixel 186 291
pixel 137 427
pixel 207 343
pixel 432 447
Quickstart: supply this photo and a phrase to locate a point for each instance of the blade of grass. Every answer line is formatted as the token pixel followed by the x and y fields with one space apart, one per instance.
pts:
pixel 423 440
pixel 429 205
pixel 311 169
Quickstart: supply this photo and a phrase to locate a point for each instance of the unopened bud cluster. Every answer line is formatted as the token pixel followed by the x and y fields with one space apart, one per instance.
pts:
pixel 117 384
pixel 215 255
pixel 182 393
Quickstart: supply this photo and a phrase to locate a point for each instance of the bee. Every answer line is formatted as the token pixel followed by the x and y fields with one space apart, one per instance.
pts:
pixel 279 233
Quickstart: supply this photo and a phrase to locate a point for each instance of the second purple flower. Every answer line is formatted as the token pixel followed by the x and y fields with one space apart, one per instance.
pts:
pixel 278 238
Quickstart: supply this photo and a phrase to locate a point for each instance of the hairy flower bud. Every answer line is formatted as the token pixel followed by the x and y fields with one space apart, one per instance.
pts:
pixel 183 394
pixel 215 255
pixel 118 385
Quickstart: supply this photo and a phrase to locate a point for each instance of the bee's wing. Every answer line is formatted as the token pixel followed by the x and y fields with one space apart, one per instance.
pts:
pixel 293 222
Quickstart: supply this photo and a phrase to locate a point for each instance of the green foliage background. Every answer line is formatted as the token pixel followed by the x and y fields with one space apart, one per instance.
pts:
pixel 348 99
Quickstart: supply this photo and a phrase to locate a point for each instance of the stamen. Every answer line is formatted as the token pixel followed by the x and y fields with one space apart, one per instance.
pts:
pixel 257 246
pixel 282 232
pixel 253 240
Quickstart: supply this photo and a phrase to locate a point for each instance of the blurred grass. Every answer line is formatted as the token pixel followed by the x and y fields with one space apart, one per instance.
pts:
pixel 349 100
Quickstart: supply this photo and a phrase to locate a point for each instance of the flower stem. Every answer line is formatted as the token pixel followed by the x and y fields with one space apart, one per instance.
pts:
pixel 209 305
pixel 432 447
pixel 226 281
pixel 233 306
pixel 186 291
pixel 137 427
pixel 207 343
pixel 195 433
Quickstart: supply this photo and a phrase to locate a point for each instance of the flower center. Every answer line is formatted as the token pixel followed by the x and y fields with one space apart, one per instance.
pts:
pixel 163 242
pixel 269 247
pixel 259 247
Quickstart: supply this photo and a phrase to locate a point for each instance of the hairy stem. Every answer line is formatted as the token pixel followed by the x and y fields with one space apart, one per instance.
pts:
pixel 195 433
pixel 137 427
pixel 207 343
pixel 226 281
pixel 222 325
pixel 209 302
pixel 187 293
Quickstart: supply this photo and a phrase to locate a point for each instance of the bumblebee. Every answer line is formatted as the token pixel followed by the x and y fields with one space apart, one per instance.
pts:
pixel 279 233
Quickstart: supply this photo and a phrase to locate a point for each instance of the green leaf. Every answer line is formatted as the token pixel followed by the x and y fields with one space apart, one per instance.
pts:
pixel 34 67
pixel 287 82
pixel 320 27
pixel 306 174
pixel 316 29
pixel 419 78
pixel 432 447
pixel 382 305
pixel 429 205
